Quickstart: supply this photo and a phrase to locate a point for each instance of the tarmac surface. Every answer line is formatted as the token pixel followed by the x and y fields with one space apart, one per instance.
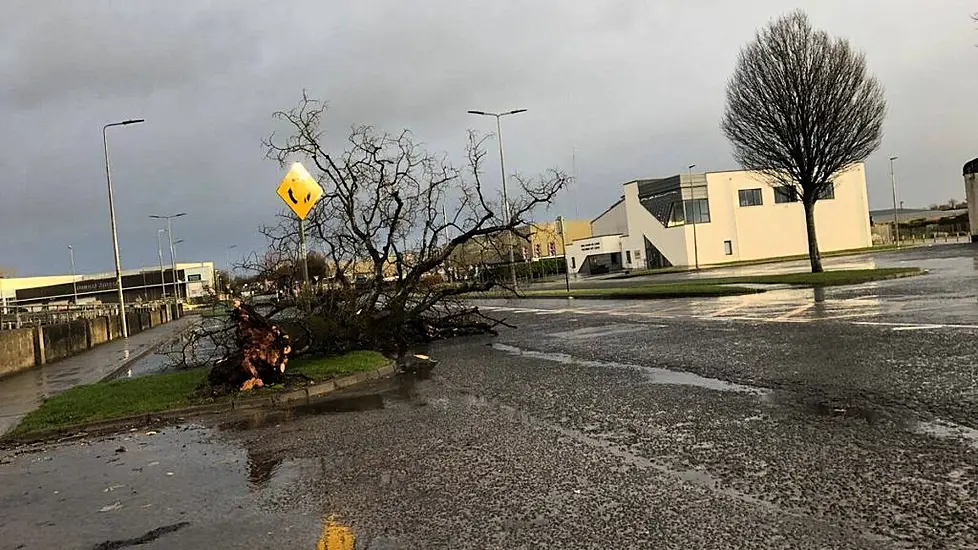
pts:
pixel 790 422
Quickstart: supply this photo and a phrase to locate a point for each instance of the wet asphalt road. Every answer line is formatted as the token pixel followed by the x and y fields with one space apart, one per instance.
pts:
pixel 784 423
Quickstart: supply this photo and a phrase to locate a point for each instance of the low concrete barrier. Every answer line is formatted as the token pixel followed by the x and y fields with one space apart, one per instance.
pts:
pixel 98 331
pixel 16 350
pixel 28 347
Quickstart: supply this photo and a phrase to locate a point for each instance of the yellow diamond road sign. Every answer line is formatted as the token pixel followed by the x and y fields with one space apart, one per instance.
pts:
pixel 299 190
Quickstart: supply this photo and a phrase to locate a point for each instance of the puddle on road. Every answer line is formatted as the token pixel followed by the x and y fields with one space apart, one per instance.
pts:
pixel 656 375
pixel 336 405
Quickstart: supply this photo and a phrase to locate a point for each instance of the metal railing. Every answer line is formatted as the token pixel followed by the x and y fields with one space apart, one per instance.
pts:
pixel 14 317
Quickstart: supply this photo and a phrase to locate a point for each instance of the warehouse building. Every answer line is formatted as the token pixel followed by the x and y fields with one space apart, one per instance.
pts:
pixel 139 285
pixel 715 218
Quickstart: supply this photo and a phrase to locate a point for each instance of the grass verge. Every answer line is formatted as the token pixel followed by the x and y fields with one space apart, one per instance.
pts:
pixel 826 278
pixel 163 392
pixel 849 252
pixel 720 286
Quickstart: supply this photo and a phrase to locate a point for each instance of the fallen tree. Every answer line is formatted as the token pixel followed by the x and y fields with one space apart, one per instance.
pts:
pixel 404 236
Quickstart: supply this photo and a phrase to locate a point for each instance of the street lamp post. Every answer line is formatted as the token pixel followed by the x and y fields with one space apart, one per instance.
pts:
pixel 896 220
pixel 563 245
pixel 115 236
pixel 502 169
pixel 159 250
pixel 696 249
pixel 74 284
pixel 173 259
pixel 227 265
pixel 177 293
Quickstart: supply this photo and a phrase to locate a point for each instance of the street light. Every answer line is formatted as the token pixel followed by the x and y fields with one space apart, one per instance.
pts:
pixel 696 250
pixel 896 221
pixel 173 259
pixel 74 284
pixel 115 236
pixel 227 264
pixel 159 250
pixel 502 169
pixel 563 244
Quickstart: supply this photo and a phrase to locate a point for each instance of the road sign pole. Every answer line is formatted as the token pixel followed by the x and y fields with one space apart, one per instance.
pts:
pixel 305 255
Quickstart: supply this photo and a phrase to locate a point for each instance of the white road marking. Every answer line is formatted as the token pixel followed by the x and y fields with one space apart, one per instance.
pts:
pixel 913 326
pixel 788 315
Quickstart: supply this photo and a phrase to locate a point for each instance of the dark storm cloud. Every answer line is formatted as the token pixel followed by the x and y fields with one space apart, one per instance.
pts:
pixel 635 88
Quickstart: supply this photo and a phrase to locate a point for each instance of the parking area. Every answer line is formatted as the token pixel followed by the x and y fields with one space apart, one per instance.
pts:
pixel 945 298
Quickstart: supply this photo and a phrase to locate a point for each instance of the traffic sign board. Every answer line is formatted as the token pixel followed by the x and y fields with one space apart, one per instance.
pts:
pixel 299 190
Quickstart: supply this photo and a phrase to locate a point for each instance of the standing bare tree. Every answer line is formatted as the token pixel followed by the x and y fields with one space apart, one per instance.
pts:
pixel 801 108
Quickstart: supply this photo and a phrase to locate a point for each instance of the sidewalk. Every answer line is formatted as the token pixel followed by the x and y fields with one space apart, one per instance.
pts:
pixel 22 392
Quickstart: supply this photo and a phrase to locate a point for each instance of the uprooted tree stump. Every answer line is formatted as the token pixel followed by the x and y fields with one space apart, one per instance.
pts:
pixel 259 358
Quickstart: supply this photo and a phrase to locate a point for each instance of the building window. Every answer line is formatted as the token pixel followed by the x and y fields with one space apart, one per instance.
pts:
pixel 728 246
pixel 827 192
pixel 536 250
pixel 573 262
pixel 698 211
pixel 750 197
pixel 785 194
pixel 628 256
pixel 552 248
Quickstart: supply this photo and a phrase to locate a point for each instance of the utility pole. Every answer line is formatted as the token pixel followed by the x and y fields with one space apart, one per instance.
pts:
pixel 696 249
pixel 74 283
pixel 563 245
pixel 115 235
pixel 896 220
pixel 173 257
pixel 159 250
pixel 502 169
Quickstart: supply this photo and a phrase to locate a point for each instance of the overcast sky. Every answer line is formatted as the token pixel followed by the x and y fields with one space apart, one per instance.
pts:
pixel 635 87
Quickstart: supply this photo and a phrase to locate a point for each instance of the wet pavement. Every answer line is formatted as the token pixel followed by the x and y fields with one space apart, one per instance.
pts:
pixel 22 392
pixel 586 427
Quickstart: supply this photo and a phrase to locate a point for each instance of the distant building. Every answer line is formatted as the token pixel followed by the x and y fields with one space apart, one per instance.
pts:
pixel 545 242
pixel 193 281
pixel 718 217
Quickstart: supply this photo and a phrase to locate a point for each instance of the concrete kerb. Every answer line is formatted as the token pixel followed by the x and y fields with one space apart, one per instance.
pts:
pixel 279 400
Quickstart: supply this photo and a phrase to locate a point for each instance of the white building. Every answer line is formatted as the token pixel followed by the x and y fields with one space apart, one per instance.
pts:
pixel 144 284
pixel 719 217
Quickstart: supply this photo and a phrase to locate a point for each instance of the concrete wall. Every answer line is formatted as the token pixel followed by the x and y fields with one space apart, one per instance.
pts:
pixel 65 339
pixel 16 350
pixel 772 230
pixel 579 250
pixel 738 233
pixel 98 331
pixel 612 222
pixel 21 349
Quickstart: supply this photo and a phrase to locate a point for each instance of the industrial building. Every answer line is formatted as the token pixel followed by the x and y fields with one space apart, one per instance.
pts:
pixel 715 218
pixel 139 285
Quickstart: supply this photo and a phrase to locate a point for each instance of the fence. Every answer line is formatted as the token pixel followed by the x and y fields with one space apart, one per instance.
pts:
pixel 15 317
pixel 29 346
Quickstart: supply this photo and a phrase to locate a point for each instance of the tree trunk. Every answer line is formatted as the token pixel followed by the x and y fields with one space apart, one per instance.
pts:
pixel 813 254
